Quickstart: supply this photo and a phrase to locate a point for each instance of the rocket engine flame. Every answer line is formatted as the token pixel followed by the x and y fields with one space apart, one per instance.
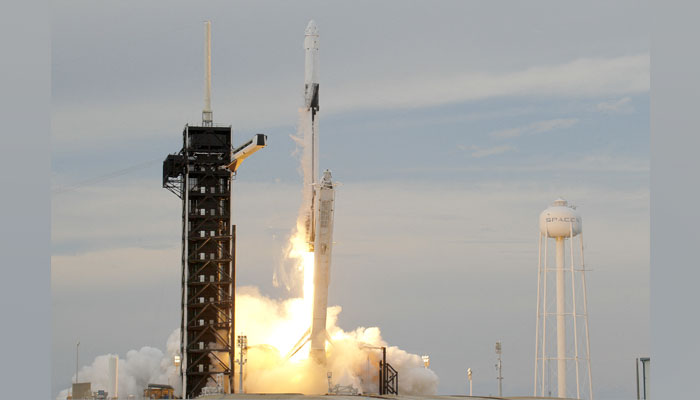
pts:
pixel 304 263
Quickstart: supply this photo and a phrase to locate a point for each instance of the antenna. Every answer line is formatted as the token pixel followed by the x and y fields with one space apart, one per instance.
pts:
pixel 243 345
pixel 499 368
pixel 207 115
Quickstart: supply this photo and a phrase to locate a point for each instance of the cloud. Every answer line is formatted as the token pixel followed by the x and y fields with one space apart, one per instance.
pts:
pixel 479 152
pixel 535 127
pixel 119 267
pixel 136 212
pixel 584 77
pixel 586 163
pixel 552 124
pixel 94 125
pixel 507 133
pixel 616 106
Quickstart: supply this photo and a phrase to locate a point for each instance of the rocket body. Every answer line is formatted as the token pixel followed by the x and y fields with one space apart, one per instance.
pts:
pixel 322 266
pixel 319 221
pixel 309 122
pixel 311 66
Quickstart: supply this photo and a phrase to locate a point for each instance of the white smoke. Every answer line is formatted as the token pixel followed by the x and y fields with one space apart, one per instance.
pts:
pixel 288 272
pixel 136 371
pixel 272 327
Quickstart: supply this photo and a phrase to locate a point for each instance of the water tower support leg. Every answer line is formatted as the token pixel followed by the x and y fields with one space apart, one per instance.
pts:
pixel 561 321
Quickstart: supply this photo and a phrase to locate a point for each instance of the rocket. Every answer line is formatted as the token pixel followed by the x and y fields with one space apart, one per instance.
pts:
pixel 317 203
pixel 322 266
pixel 309 120
pixel 319 221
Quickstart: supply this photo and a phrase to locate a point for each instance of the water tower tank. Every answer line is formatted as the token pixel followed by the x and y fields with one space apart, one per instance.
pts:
pixel 560 220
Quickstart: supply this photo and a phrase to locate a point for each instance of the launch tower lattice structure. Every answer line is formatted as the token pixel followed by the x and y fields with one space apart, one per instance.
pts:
pixel 199 177
pixel 562 348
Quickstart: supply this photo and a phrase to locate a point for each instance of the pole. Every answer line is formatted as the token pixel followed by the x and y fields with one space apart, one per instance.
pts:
pixel 469 376
pixel 381 380
pixel 573 306
pixel 499 367
pixel 206 113
pixel 382 373
pixel 585 316
pixel 243 345
pixel 367 374
pixel 500 376
pixel 644 379
pixel 561 321
pixel 544 319
pixel 240 374
pixel 232 291
pixel 77 346
pixel 385 369
pixel 636 364
pixel 537 319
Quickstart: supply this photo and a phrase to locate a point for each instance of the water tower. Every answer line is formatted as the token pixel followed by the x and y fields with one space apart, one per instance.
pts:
pixel 562 349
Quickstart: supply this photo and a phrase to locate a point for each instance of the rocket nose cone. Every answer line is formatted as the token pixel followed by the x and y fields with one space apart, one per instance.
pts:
pixel 311 28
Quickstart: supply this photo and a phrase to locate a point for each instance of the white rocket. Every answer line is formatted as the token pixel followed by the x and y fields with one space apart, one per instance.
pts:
pixel 310 122
pixel 319 222
pixel 322 266
pixel 317 202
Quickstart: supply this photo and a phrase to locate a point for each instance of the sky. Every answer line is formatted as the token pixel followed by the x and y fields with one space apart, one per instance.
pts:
pixel 450 129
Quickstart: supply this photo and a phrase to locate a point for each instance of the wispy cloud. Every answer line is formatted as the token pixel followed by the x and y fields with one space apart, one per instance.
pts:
pixel 584 77
pixel 552 124
pixel 535 127
pixel 479 152
pixel 593 163
pixel 616 106
pixel 507 133
pixel 74 125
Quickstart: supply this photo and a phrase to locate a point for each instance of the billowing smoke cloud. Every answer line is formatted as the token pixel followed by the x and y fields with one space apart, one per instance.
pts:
pixel 274 326
pixel 136 371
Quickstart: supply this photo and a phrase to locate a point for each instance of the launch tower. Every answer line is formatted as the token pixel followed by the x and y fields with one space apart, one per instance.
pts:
pixel 199 176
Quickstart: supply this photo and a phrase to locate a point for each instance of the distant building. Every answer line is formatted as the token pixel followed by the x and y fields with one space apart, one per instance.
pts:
pixel 81 391
pixel 156 391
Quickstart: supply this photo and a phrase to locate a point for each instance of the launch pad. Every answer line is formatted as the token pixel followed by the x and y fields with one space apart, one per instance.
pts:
pixel 297 396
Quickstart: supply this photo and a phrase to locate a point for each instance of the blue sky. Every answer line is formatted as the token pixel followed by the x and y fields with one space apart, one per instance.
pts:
pixel 450 128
